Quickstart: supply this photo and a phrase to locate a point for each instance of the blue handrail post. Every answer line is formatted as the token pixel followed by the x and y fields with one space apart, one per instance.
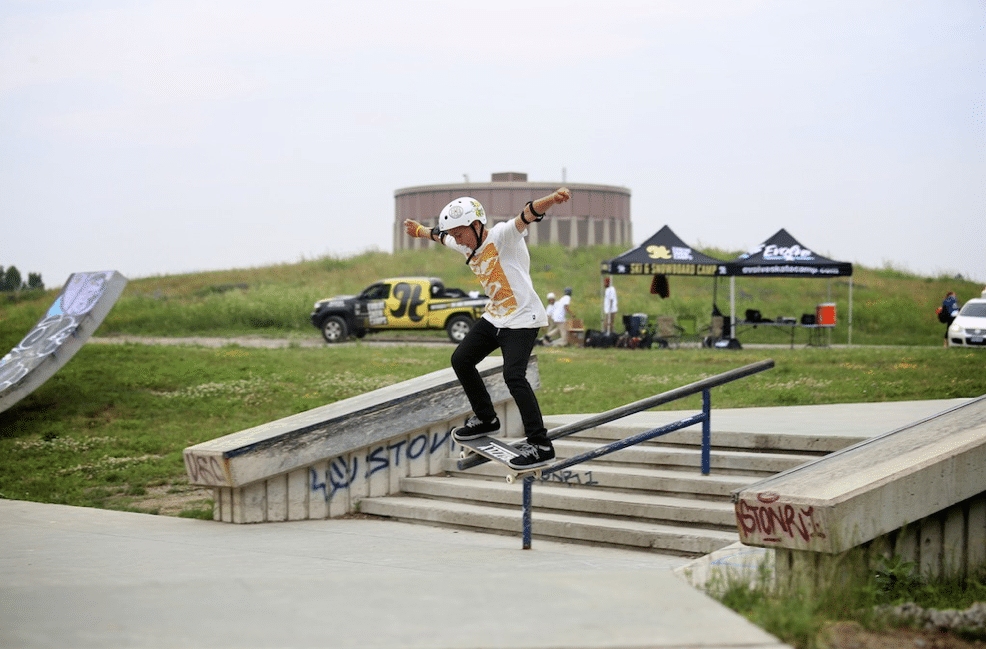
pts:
pixel 528 483
pixel 706 432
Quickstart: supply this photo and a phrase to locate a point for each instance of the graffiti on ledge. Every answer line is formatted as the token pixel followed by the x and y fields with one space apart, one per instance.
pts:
pixel 344 472
pixel 768 520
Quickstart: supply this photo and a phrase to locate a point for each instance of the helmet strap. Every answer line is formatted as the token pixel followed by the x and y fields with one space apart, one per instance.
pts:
pixel 479 238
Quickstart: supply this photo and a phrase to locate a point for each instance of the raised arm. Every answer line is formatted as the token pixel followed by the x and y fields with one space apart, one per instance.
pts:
pixel 418 231
pixel 535 210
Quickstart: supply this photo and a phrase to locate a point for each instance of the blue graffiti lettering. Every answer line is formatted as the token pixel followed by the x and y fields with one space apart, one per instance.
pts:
pixel 317 486
pixel 421 441
pixel 437 441
pixel 376 460
pixel 398 446
pixel 341 474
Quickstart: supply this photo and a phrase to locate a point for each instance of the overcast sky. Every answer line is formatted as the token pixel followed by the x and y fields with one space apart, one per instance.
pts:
pixel 165 136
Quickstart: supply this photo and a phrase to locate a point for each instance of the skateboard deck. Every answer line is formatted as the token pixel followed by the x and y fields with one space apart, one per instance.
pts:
pixel 498 451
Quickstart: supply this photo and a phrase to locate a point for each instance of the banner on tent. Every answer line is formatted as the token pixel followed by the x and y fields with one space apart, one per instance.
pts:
pixel 639 268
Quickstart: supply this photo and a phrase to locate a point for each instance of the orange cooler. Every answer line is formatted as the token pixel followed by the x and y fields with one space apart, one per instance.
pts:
pixel 825 314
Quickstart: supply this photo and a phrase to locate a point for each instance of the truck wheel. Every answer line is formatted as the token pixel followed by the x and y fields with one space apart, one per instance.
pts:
pixel 457 327
pixel 334 329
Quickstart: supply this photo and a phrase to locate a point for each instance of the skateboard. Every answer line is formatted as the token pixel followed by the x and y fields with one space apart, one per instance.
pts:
pixel 498 451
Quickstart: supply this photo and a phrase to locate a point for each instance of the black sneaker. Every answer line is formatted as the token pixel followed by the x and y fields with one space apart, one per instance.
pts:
pixel 475 428
pixel 532 456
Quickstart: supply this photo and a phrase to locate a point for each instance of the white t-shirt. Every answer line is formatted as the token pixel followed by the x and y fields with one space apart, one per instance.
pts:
pixel 503 266
pixel 609 300
pixel 552 310
pixel 561 308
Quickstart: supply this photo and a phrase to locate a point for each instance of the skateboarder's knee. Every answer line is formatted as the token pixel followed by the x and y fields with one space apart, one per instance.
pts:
pixel 462 360
pixel 518 385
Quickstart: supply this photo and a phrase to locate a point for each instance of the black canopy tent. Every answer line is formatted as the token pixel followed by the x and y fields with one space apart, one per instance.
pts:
pixel 783 256
pixel 664 253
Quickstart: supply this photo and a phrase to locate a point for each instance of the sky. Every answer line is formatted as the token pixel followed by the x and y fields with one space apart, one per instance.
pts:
pixel 158 137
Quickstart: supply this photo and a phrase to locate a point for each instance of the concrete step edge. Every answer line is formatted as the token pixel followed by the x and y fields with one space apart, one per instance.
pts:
pixel 773 441
pixel 670 456
pixel 583 501
pixel 565 527
pixel 721 435
pixel 716 484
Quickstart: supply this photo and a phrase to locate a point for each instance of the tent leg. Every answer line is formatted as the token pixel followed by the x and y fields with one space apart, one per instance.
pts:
pixel 732 307
pixel 849 342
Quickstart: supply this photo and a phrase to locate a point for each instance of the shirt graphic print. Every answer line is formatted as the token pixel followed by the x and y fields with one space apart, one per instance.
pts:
pixel 486 265
pixel 502 265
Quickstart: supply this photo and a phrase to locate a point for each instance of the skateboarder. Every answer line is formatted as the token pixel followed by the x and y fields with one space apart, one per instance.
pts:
pixel 500 259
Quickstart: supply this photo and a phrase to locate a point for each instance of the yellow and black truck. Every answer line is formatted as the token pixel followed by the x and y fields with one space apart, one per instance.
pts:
pixel 404 303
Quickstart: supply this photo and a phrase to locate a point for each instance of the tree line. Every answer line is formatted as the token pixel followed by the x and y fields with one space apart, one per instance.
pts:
pixel 11 280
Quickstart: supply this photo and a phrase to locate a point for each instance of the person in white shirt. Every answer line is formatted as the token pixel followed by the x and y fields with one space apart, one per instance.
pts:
pixel 609 304
pixel 562 312
pixel 499 258
pixel 553 328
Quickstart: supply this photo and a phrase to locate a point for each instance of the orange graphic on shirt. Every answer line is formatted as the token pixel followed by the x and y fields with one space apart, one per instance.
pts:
pixel 487 267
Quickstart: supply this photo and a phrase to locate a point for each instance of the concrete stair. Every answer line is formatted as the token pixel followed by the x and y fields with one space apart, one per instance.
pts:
pixel 650 496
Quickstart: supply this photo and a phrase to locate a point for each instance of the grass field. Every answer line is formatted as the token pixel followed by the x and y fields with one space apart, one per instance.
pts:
pixel 109 428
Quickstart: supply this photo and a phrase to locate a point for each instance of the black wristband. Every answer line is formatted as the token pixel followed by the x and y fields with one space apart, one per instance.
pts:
pixel 537 217
pixel 435 232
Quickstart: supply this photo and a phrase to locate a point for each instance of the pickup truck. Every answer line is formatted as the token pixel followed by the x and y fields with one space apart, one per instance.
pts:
pixel 399 303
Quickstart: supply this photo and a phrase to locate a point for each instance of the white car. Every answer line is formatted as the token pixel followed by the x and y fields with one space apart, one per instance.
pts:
pixel 969 327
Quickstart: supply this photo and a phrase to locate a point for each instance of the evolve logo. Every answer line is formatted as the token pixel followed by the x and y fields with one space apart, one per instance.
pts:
pixel 774 252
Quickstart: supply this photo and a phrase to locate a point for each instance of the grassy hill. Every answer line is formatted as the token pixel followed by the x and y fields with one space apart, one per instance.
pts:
pixel 890 307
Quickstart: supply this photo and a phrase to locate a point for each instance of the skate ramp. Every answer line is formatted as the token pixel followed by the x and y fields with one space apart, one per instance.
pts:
pixel 75 314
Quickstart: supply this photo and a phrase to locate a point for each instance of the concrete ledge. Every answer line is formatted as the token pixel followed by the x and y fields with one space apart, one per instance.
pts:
pixel 319 463
pixel 875 488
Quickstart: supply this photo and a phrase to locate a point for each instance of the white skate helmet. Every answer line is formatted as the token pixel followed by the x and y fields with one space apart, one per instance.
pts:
pixel 461 211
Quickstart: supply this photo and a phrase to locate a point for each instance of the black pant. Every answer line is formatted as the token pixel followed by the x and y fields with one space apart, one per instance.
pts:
pixel 516 346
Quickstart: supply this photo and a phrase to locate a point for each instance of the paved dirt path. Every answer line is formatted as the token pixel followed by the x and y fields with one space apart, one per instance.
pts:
pixel 260 341
pixel 209 341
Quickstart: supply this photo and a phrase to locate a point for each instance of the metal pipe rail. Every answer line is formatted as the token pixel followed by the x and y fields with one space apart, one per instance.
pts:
pixel 639 406
pixel 704 418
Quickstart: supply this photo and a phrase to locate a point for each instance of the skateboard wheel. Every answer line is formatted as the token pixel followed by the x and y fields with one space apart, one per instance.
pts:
pixel 511 478
pixel 462 455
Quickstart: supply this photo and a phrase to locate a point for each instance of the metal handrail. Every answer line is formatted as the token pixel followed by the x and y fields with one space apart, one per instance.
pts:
pixel 592 421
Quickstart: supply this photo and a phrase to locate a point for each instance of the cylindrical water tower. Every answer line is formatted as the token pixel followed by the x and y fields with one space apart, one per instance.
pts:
pixel 596 215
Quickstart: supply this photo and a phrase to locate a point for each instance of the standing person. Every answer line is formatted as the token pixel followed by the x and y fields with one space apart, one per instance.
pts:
pixel 514 315
pixel 552 325
pixel 559 326
pixel 609 304
pixel 562 313
pixel 949 309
